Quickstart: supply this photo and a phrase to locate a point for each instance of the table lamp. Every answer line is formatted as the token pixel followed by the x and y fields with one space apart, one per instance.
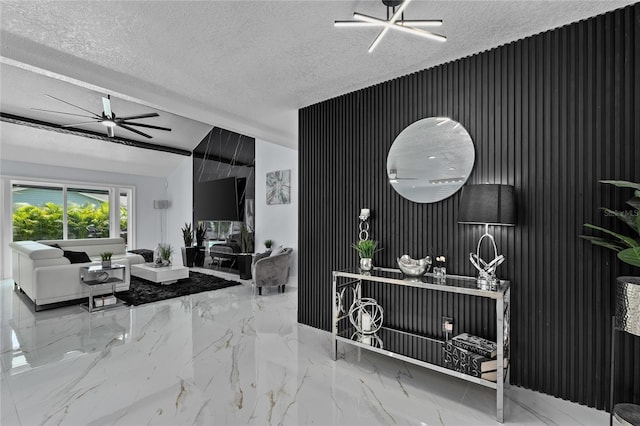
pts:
pixel 488 204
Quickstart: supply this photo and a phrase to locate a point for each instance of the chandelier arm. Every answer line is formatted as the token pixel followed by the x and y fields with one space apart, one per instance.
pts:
pixel 397 13
pixel 398 26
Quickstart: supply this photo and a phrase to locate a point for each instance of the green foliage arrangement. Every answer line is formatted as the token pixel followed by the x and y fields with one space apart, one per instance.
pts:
pixel 166 251
pixel 365 248
pixel 628 248
pixel 106 255
pixel 268 243
pixel 187 235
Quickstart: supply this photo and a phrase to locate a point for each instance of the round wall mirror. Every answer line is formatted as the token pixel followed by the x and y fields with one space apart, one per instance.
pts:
pixel 430 160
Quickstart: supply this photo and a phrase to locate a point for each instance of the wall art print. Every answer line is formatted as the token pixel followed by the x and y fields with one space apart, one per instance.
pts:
pixel 279 187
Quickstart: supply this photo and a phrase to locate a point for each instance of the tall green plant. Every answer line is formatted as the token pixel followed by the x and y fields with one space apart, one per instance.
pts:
pixel 627 247
pixel 187 235
pixel 201 233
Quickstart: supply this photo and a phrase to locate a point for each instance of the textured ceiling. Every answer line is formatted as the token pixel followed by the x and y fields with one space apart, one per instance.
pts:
pixel 248 66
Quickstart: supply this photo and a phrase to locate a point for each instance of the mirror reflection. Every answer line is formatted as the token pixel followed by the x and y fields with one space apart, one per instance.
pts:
pixel 430 160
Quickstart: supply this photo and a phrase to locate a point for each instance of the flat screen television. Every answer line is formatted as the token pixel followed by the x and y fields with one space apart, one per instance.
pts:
pixel 220 199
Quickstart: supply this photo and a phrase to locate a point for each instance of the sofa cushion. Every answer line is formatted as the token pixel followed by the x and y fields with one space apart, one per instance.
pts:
pixel 36 251
pixel 145 253
pixel 77 256
pixel 92 246
pixel 278 250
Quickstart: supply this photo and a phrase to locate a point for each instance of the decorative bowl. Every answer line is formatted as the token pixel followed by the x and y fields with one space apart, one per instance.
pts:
pixel 102 277
pixel 412 267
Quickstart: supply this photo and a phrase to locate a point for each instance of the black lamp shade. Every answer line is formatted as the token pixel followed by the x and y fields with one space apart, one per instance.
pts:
pixel 487 205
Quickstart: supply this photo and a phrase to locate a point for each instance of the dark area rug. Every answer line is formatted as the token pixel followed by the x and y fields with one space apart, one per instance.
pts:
pixel 143 291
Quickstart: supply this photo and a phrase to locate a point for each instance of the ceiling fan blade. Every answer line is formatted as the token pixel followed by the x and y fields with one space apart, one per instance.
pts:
pixel 148 126
pixel 106 106
pixel 75 106
pixel 133 117
pixel 60 112
pixel 110 131
pixel 131 129
pixel 80 124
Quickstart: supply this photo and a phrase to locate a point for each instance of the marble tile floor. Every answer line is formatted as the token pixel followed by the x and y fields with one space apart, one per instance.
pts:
pixel 227 357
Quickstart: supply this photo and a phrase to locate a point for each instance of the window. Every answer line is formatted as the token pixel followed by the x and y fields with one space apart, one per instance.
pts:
pixel 125 210
pixel 87 213
pixel 37 212
pixel 49 211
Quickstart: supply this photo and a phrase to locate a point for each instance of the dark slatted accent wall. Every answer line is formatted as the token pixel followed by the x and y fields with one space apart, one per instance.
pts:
pixel 551 114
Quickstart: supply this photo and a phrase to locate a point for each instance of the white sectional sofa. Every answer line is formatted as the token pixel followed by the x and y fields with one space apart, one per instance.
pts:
pixel 46 276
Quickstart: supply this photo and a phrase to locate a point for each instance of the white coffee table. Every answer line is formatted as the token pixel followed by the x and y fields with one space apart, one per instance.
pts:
pixel 163 275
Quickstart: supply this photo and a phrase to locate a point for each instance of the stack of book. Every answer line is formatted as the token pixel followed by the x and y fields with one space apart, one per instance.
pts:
pixel 472 355
pixel 104 301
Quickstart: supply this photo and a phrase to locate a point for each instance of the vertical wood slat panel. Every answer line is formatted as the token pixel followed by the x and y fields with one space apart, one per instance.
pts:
pixel 551 114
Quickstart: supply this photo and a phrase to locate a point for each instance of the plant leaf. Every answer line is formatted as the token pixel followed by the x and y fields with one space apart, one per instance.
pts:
pixel 597 241
pixel 622 184
pixel 624 216
pixel 630 256
pixel 627 240
pixel 634 202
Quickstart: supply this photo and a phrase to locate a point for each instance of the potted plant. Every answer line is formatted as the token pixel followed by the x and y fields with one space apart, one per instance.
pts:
pixel 628 249
pixel 245 258
pixel 268 244
pixel 201 232
pixel 106 259
pixel 188 251
pixel 365 249
pixel 165 254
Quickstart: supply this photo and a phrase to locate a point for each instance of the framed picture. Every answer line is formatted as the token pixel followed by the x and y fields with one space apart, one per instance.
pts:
pixel 279 187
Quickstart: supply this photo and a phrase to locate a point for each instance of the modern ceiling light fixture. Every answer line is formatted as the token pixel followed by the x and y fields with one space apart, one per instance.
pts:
pixel 395 20
pixel 109 118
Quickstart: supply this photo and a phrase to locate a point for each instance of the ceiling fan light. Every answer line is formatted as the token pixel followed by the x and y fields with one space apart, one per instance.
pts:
pixel 420 23
pixel 352 24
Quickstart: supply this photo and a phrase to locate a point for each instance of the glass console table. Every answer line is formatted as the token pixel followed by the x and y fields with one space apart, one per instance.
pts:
pixel 347 289
pixel 99 278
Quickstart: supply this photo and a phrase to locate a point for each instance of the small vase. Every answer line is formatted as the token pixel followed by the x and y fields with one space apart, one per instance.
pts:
pixel 440 273
pixel 366 264
pixel 106 264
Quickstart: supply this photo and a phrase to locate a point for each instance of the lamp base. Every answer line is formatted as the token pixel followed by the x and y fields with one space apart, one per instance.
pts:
pixel 487 283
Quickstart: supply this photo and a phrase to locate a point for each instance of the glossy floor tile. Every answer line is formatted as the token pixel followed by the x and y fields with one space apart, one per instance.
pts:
pixel 227 357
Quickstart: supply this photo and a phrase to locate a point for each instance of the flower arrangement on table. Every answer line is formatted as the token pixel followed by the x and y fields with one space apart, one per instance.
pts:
pixel 106 259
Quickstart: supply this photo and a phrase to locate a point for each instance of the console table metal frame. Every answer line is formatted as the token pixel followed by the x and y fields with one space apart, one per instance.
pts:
pixel 85 274
pixel 501 296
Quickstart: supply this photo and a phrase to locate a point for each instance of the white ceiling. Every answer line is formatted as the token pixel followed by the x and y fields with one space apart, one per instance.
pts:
pixel 246 66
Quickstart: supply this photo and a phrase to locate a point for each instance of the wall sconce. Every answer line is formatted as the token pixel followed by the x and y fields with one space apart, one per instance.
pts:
pixel 161 205
pixel 364 224
pixel 486 205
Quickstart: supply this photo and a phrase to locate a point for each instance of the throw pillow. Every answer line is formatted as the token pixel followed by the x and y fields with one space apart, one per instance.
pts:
pixel 276 251
pixel 77 256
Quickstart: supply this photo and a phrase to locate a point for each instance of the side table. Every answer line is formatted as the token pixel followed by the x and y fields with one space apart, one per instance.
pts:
pixel 95 279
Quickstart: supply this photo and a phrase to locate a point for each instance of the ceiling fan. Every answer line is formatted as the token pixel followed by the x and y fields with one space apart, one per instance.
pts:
pixel 109 118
